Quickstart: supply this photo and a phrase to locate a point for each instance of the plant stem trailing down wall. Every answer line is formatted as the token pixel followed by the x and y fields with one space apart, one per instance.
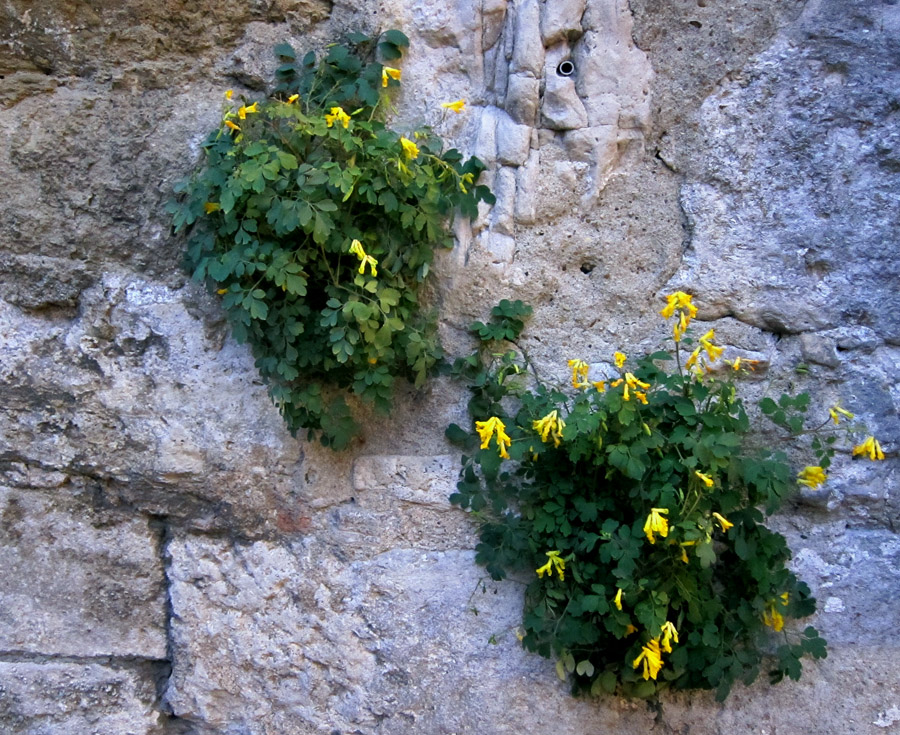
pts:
pixel 316 224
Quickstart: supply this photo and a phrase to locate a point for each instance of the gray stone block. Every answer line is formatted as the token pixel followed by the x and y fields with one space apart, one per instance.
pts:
pixel 77 699
pixel 75 585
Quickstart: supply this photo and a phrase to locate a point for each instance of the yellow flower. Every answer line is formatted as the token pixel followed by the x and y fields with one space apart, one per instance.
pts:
pixel 619 358
pixel 680 302
pixel 772 617
pixel 243 110
pixel 706 345
pixel 356 249
pixel 210 207
pixel 231 125
pixel 836 412
pixel 684 556
pixel 553 562
pixel 600 385
pixel 669 635
pixel 579 373
pixel 869 448
pixel 337 115
pixel 707 480
pixel 811 476
pixel 656 524
pixel 228 93
pixel 630 630
pixel 293 98
pixel 651 658
pixel 723 521
pixel 455 106
pixel 486 430
pixel 410 149
pixel 550 427
pixel 617 601
pixel 222 291
pixel 632 383
pixel 389 72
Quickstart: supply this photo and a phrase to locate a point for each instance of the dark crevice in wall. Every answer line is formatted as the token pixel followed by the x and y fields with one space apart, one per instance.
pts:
pixel 171 723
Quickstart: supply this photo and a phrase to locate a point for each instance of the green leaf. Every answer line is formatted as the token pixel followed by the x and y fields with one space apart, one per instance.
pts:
pixel 396 37
pixel 584 668
pixel 285 51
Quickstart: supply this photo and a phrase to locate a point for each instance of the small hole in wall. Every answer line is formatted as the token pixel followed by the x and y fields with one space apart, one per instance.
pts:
pixel 566 68
pixel 695 23
pixel 587 267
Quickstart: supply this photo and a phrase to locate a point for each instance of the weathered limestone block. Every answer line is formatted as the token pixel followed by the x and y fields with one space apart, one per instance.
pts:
pixel 523 98
pixel 289 639
pixel 422 480
pixel 75 587
pixel 526 188
pixel 63 39
pixel 796 190
pixel 561 108
pixel 493 18
pixel 528 49
pixel 502 219
pixel 77 699
pixel 561 20
pixel 486 138
pixel 613 76
pixel 513 141
pixel 142 403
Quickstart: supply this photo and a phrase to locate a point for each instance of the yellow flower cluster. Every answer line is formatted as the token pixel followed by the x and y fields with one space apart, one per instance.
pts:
pixel 619 358
pixel 356 249
pixel 389 72
pixel 723 521
pixel 242 112
pixel 244 109
pixel 632 383
pixel 706 345
pixel 486 430
pixel 669 635
pixel 550 427
pixel 651 652
pixel 836 412
pixel 869 448
pixel 410 149
pixel 553 562
pixel 656 524
pixel 651 658
pixel 811 476
pixel 337 115
pixel 579 373
pixel 680 302
pixel 772 616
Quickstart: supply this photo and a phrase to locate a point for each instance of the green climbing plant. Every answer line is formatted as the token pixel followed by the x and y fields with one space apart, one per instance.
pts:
pixel 316 224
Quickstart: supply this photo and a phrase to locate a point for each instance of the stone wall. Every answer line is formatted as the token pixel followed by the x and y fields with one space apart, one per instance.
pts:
pixel 175 563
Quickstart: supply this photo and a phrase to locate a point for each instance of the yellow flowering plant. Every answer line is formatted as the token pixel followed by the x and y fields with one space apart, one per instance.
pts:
pixel 651 489
pixel 316 224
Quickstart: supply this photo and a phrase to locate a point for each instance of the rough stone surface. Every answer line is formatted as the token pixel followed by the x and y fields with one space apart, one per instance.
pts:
pixel 77 699
pixel 75 583
pixel 177 564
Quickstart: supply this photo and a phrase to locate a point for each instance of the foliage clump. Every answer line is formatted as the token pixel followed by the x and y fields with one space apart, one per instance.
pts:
pixel 637 505
pixel 317 225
